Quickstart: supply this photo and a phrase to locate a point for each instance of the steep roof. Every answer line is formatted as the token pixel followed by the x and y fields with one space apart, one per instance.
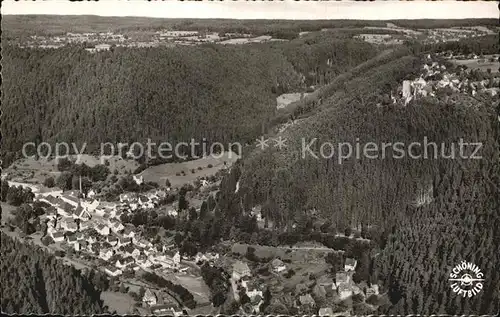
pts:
pixel 341 277
pixel 277 262
pixel 58 234
pixel 240 267
pixel 306 299
pixel 128 259
pixel 350 261
pixel 128 248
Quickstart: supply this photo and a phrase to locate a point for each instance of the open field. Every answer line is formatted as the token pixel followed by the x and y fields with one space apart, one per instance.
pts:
pixel 173 171
pixel 284 100
pixel 31 170
pixel 477 28
pixel 121 303
pixel 294 254
pixel 195 285
pixel 477 64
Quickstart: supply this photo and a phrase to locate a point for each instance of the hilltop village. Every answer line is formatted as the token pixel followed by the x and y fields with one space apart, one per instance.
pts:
pixel 443 73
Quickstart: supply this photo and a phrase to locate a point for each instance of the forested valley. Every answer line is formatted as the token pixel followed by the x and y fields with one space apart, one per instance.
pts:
pixel 213 92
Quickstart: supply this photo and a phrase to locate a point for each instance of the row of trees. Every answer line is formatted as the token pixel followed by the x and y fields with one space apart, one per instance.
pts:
pixel 184 295
pixel 218 282
pixel 15 195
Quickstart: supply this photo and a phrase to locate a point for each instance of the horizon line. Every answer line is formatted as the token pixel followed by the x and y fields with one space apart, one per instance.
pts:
pixel 236 19
pixel 261 10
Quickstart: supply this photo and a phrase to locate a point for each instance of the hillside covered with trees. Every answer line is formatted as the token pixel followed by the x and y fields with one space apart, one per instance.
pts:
pixel 219 93
pixel 38 283
pixel 418 242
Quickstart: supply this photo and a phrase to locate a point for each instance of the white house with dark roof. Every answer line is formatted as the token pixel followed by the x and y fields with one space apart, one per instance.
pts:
pixel 150 298
pixel 128 232
pixel 128 197
pixel 90 239
pixel 115 225
pixel 141 242
pixel 112 240
pixel 253 290
pixel 344 291
pixel 57 236
pixel 306 300
pixel 165 309
pixel 240 269
pixel 372 290
pixel 103 230
pixel 71 239
pixel 80 245
pixel 113 271
pixel 278 266
pixel 81 213
pixel 124 262
pixel 72 200
pixel 145 202
pixel 138 179
pixel 90 206
pixel 350 264
pixel 130 250
pixel 91 194
pixel 68 224
pixel 84 225
pixel 341 278
pixel 106 254
pixel 124 241
pixel 143 261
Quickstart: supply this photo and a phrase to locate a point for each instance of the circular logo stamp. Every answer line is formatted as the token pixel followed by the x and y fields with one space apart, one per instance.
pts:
pixel 466 279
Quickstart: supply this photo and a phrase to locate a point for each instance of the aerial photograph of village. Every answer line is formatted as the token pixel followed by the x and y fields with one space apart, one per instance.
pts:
pixel 248 214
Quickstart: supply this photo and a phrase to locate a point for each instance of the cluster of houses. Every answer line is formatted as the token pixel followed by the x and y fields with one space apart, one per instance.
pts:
pixel 241 280
pixel 435 77
pixel 94 227
pixel 102 40
pixel 454 34
pixel 97 42
pixel 342 287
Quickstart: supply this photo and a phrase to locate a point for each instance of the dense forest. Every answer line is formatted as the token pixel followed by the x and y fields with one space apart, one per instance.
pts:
pixel 214 92
pixel 488 44
pixel 38 283
pixel 419 242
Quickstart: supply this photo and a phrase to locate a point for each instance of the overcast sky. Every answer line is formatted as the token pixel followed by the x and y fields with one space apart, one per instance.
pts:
pixel 286 9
